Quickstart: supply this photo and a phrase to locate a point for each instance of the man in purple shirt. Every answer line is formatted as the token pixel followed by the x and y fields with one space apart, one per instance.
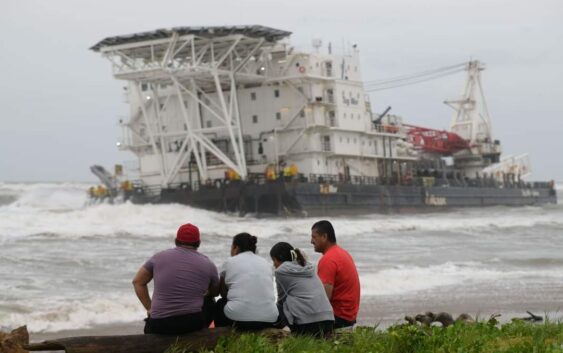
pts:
pixel 182 278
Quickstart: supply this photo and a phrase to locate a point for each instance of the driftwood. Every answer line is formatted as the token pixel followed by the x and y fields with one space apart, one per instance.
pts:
pixel 196 341
pixel 14 341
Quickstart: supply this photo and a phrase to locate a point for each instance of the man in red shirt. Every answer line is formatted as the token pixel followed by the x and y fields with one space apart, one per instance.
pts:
pixel 337 271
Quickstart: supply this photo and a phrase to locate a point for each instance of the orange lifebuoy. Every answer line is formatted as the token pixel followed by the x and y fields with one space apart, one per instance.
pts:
pixel 302 69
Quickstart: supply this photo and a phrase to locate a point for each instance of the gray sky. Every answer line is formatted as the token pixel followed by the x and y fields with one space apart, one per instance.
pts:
pixel 59 103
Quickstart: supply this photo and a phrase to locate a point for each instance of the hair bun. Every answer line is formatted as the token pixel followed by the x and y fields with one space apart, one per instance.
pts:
pixel 253 240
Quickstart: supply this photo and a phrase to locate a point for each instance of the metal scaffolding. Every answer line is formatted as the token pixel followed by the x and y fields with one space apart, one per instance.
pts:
pixel 201 67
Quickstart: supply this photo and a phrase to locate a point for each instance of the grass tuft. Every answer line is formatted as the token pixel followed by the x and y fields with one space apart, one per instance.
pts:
pixel 478 337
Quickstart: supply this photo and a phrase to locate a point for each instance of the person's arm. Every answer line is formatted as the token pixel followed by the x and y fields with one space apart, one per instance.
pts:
pixel 328 290
pixel 223 290
pixel 214 283
pixel 327 274
pixel 142 278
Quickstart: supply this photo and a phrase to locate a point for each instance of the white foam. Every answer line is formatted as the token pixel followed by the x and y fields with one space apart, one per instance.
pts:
pixel 59 209
pixel 407 279
pixel 64 196
pixel 78 314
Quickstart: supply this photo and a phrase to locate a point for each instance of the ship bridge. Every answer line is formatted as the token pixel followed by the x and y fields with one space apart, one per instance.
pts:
pixel 177 69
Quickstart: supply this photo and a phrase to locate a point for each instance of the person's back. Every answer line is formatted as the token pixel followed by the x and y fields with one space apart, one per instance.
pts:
pixel 181 279
pixel 337 268
pixel 338 273
pixel 301 295
pixel 249 280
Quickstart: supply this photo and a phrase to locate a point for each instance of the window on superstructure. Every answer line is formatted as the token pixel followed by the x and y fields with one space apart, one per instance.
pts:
pixel 302 113
pixel 209 123
pixel 326 143
pixel 278 116
pixel 375 147
pixel 253 96
pixel 144 87
pixel 255 119
pixel 277 93
pixel 332 118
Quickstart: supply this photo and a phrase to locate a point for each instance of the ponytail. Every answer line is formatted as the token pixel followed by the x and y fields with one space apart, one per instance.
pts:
pixel 283 252
pixel 300 258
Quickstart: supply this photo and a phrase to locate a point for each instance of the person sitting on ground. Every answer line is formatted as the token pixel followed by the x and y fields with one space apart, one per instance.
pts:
pixel 301 295
pixel 338 273
pixel 247 280
pixel 182 277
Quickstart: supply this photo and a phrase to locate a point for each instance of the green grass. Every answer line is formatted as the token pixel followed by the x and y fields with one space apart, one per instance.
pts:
pixel 480 337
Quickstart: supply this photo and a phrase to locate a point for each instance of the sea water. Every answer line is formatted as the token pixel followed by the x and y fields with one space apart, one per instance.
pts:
pixel 65 264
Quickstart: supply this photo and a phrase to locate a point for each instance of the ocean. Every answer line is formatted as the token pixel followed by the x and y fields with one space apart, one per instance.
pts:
pixel 65 264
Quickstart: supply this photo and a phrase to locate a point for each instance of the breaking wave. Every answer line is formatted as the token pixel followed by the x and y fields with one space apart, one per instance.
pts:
pixel 77 314
pixel 406 279
pixel 60 209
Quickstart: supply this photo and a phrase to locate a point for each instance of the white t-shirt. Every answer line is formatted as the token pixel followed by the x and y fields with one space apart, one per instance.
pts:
pixel 250 280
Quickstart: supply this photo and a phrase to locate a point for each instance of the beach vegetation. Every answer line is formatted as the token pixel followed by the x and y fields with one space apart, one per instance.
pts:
pixel 462 337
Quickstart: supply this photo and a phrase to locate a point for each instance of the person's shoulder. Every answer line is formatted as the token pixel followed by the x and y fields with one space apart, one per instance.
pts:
pixel 164 252
pixel 205 258
pixel 337 254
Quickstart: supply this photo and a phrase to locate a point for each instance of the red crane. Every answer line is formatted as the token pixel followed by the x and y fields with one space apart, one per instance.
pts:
pixel 435 141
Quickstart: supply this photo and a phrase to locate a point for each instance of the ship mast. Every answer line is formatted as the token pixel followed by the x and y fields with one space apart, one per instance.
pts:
pixel 471 121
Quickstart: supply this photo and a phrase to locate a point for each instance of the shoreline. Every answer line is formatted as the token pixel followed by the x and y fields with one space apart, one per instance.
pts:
pixel 379 311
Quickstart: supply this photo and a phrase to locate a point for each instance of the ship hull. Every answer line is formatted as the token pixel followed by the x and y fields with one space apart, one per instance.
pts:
pixel 313 199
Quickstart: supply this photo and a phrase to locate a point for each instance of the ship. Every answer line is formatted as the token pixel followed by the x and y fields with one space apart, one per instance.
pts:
pixel 237 119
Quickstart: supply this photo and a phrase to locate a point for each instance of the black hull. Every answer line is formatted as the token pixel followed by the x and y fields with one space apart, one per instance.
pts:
pixel 297 198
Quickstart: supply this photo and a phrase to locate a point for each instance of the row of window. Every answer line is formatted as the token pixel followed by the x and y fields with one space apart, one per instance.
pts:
pixel 278 116
pixel 253 94
pixel 325 142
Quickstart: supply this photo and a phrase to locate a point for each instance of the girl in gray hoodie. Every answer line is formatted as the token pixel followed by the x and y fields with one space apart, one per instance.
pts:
pixel 301 296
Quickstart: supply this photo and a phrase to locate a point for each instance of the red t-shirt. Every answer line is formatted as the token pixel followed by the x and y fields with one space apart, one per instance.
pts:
pixel 337 268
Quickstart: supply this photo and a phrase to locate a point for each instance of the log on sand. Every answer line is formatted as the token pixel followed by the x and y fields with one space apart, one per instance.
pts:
pixel 196 341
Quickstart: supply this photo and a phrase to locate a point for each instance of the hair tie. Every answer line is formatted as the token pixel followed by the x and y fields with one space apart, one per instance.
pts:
pixel 293 255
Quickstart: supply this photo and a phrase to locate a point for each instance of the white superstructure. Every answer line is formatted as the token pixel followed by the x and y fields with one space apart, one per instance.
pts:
pixel 207 99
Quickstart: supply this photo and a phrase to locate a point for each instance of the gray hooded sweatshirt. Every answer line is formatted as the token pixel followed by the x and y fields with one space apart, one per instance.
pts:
pixel 302 294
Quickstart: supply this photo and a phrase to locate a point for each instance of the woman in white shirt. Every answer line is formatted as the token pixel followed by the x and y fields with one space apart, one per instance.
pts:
pixel 247 288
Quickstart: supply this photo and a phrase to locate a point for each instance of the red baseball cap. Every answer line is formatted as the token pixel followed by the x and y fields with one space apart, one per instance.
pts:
pixel 188 233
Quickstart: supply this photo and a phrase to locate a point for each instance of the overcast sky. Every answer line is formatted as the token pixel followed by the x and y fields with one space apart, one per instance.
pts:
pixel 59 103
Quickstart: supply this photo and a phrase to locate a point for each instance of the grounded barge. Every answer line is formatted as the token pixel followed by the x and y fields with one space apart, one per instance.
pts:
pixel 235 119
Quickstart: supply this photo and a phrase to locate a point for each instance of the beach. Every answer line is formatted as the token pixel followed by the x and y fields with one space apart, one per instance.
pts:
pixel 67 265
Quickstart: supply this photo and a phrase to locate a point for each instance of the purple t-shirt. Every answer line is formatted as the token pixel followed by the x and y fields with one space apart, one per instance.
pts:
pixel 181 278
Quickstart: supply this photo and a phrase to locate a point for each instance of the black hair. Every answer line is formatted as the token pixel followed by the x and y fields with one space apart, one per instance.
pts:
pixel 245 242
pixel 183 243
pixel 282 252
pixel 324 227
